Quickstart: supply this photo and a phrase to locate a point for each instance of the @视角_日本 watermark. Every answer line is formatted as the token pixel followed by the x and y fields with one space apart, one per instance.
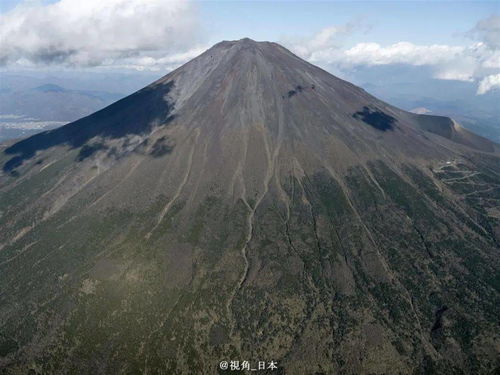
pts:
pixel 248 365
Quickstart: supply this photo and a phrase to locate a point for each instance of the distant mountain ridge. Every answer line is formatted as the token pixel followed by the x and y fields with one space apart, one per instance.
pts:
pixel 52 102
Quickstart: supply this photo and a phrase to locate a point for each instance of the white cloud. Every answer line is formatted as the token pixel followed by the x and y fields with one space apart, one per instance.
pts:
pixel 450 62
pixel 454 75
pixel 488 83
pixel 327 39
pixel 492 61
pixel 474 62
pixel 420 110
pixel 158 61
pixel 488 31
pixel 401 53
pixel 97 32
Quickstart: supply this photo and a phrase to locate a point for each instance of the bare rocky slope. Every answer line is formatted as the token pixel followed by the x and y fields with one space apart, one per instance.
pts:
pixel 250 206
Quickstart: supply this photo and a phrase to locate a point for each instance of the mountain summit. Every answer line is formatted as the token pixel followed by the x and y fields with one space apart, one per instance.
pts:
pixel 250 206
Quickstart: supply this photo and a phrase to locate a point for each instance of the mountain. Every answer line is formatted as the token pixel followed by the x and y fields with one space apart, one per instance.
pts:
pixel 250 206
pixel 27 110
pixel 50 102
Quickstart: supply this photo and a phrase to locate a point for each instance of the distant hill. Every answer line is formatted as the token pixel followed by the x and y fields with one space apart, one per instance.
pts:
pixel 28 111
pixel 50 102
pixel 31 102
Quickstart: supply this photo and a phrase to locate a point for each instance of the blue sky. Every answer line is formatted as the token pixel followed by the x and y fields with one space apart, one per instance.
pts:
pixel 422 22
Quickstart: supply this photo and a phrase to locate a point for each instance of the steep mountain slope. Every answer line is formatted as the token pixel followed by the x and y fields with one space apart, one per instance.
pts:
pixel 250 206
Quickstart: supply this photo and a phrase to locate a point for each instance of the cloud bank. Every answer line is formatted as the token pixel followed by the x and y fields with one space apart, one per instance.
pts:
pixel 131 33
pixel 488 83
pixel 477 62
pixel 327 39
pixel 488 30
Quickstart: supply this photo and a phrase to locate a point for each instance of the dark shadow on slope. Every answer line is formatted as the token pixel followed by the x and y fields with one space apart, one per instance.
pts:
pixel 298 89
pixel 135 114
pixel 161 147
pixel 375 118
pixel 438 321
pixel 88 150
